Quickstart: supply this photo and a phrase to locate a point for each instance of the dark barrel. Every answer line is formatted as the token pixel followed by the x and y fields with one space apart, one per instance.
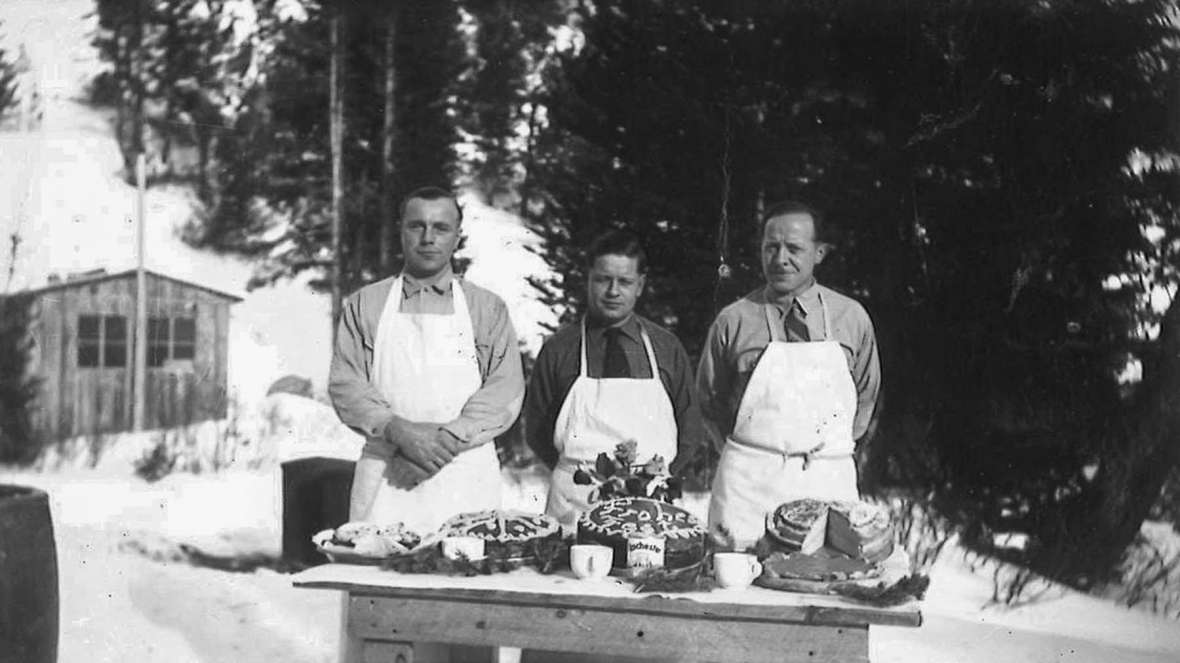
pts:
pixel 28 577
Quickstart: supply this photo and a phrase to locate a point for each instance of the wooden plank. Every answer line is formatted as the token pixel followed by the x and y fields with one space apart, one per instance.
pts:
pixel 851 616
pixel 602 631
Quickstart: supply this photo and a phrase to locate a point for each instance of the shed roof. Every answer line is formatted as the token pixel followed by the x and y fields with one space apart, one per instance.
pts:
pixel 99 277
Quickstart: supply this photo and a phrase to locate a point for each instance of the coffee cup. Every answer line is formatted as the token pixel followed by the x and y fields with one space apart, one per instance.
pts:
pixel 591 562
pixel 734 569
pixel 471 547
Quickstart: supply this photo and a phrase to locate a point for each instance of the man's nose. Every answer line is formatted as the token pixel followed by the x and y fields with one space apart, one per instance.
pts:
pixel 612 289
pixel 428 236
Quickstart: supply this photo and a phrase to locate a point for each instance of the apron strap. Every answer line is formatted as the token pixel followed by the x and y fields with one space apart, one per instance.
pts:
pixel 584 371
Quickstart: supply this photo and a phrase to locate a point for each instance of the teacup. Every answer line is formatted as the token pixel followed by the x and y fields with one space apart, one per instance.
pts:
pixel 591 562
pixel 735 570
pixel 471 547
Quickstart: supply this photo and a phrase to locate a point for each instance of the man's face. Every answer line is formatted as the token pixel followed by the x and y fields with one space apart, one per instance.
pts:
pixel 790 253
pixel 614 285
pixel 430 234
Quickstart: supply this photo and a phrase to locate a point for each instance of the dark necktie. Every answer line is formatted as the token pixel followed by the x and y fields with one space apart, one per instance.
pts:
pixel 614 362
pixel 796 325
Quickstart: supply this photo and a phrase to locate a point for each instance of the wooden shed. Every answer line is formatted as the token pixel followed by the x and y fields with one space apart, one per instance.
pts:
pixel 83 332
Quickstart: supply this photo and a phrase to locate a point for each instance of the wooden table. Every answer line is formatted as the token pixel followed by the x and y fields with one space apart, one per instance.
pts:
pixel 388 616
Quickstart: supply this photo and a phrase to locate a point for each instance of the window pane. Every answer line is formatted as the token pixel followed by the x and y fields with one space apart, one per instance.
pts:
pixel 116 328
pixel 158 330
pixel 183 351
pixel 87 353
pixel 115 354
pixel 88 327
pixel 184 330
pixel 157 350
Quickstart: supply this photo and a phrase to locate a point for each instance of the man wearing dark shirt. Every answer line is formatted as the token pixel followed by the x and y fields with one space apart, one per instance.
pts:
pixel 593 385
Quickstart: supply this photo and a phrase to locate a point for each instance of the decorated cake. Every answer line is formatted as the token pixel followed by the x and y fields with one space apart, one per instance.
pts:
pixel 857 529
pixel 609 523
pixel 506 534
pixel 368 539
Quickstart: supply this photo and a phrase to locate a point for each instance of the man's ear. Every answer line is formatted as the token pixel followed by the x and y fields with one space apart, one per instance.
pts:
pixel 642 282
pixel 821 252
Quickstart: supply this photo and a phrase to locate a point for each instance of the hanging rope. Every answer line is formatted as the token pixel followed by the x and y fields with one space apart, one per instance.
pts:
pixel 724 271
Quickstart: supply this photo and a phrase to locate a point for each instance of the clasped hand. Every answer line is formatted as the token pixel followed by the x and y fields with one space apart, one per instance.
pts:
pixel 424 450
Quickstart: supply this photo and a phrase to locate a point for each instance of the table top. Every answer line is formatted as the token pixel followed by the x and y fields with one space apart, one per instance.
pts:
pixel 561 590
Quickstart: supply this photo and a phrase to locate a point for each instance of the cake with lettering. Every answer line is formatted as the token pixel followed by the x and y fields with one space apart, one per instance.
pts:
pixel 609 523
pixel 506 534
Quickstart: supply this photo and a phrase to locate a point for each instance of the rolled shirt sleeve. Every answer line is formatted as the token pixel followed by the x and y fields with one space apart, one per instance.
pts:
pixel 542 405
pixel 866 375
pixel 357 401
pixel 494 407
pixel 716 383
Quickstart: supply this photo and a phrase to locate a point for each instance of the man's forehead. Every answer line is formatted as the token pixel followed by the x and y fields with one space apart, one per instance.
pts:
pixel 616 265
pixel 793 226
pixel 434 209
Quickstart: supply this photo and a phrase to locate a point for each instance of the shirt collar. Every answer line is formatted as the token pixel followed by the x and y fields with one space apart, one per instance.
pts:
pixel 439 283
pixel 808 299
pixel 630 328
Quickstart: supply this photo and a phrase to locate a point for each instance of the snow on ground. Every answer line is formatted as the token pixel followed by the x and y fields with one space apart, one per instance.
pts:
pixel 120 605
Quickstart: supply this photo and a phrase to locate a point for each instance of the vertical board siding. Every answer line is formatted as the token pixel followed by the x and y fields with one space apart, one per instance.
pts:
pixel 75 401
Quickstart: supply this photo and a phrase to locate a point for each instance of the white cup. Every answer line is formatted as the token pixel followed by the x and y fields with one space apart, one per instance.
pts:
pixel 471 547
pixel 734 569
pixel 591 562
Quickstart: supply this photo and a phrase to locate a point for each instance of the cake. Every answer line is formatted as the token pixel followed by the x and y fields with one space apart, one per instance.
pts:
pixel 609 523
pixel 860 530
pixel 857 529
pixel 818 567
pixel 800 525
pixel 510 534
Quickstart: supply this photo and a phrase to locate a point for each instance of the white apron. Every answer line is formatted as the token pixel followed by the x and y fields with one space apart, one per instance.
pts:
pixel 792 437
pixel 426 367
pixel 599 413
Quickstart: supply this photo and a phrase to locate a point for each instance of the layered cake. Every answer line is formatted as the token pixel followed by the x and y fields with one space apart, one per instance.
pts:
pixel 510 534
pixel 860 530
pixel 857 529
pixel 818 567
pixel 609 523
pixel 800 525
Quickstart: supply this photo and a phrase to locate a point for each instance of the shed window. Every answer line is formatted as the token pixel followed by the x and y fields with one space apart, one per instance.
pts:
pixel 102 341
pixel 171 338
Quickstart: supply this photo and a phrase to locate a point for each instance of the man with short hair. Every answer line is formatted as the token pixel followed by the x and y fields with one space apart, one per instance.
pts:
pixel 611 377
pixel 426 367
pixel 788 379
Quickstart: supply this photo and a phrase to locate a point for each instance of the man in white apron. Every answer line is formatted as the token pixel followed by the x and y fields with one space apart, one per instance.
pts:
pixel 426 366
pixel 611 377
pixel 789 379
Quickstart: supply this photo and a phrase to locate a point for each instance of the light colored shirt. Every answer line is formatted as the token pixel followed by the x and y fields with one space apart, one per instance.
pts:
pixel 487 413
pixel 739 335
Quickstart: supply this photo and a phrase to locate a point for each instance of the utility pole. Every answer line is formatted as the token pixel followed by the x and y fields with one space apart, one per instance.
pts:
pixel 336 131
pixel 140 369
pixel 388 128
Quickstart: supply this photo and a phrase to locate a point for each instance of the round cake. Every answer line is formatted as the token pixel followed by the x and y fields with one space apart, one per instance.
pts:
pixel 857 529
pixel 609 523
pixel 505 533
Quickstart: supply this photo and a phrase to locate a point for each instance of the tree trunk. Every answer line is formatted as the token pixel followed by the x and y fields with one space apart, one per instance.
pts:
pixel 387 211
pixel 336 130
pixel 1147 448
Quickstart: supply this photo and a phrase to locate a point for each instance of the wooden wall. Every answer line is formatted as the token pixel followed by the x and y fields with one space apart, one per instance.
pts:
pixel 83 400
